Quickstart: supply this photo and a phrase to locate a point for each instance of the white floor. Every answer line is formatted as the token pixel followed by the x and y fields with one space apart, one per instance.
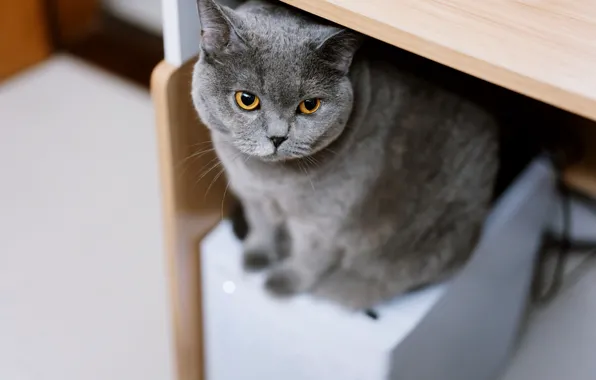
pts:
pixel 82 278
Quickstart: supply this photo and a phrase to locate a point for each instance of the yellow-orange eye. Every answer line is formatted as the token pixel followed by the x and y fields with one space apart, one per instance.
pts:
pixel 247 101
pixel 309 106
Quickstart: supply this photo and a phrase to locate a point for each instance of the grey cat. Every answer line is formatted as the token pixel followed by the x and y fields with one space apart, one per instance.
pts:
pixel 378 180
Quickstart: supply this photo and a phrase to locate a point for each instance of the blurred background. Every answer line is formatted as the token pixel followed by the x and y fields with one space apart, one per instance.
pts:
pixel 82 271
pixel 122 36
pixel 82 274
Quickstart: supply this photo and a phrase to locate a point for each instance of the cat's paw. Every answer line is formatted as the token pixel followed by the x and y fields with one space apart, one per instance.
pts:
pixel 255 261
pixel 349 291
pixel 284 282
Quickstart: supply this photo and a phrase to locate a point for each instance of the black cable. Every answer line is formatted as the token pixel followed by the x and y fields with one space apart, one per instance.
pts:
pixel 545 295
pixel 588 201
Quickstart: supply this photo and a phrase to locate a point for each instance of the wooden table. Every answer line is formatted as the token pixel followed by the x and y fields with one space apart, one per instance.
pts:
pixel 545 49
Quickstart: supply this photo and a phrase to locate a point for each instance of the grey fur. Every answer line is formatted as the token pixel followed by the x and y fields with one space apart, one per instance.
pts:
pixel 383 189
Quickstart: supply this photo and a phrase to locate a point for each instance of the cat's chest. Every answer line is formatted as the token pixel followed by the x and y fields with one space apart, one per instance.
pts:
pixel 307 191
pixel 252 180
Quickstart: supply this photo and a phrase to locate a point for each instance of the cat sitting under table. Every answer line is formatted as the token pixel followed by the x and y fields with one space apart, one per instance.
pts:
pixel 359 181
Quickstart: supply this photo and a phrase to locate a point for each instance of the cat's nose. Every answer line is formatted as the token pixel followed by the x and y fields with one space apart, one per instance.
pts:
pixel 277 140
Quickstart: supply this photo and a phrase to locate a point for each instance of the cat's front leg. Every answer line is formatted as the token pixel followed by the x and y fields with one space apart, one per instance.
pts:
pixel 313 254
pixel 262 244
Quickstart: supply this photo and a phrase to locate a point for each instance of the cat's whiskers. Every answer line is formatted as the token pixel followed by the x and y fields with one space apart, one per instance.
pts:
pixel 223 199
pixel 305 170
pixel 193 157
pixel 196 155
pixel 219 174
pixel 330 150
pixel 213 181
pixel 217 163
pixel 313 161
pixel 246 159
pixel 201 143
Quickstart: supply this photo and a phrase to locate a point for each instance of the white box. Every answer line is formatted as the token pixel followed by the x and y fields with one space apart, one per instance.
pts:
pixel 462 330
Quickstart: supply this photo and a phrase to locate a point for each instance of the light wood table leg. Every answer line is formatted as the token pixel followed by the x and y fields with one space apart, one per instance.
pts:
pixel 189 210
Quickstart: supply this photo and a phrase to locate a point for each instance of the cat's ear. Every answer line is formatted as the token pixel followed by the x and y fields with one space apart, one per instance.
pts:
pixel 218 31
pixel 339 49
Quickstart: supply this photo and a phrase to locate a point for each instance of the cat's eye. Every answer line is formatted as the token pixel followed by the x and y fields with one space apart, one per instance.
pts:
pixel 309 106
pixel 247 101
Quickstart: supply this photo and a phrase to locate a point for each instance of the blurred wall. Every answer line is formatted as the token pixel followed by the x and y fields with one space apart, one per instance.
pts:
pixel 143 13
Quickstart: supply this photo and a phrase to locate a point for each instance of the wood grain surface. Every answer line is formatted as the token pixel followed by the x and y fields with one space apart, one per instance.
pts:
pixel 545 49
pixel 24 35
pixel 193 203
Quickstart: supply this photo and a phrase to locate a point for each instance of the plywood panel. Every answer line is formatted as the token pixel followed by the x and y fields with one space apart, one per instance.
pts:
pixel 24 35
pixel 193 202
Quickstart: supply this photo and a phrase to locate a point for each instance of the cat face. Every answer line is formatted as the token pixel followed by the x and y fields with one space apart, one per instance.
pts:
pixel 274 84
